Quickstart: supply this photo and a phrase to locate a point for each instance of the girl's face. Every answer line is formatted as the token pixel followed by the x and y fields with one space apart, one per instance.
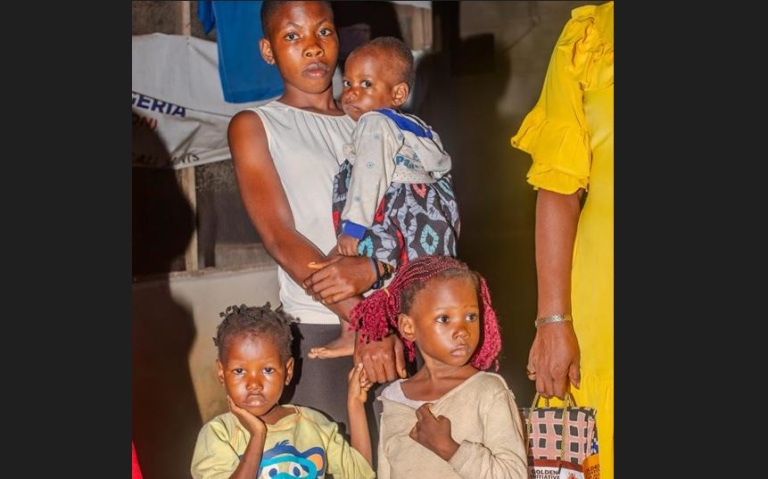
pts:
pixel 370 82
pixel 302 41
pixel 253 373
pixel 444 320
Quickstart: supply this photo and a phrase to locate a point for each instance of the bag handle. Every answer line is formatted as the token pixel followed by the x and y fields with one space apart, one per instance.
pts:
pixel 569 402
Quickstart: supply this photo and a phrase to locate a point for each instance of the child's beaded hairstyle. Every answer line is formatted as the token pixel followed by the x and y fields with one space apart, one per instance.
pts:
pixel 375 315
pixel 257 321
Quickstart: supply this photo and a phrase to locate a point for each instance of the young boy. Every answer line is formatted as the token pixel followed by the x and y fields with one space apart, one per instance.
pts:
pixel 260 438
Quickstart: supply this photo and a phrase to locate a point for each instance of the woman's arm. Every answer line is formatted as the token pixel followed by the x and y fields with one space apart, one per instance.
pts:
pixel 267 206
pixel 554 355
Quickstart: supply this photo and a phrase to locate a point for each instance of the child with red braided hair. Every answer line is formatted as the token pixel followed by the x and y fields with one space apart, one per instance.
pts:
pixel 451 419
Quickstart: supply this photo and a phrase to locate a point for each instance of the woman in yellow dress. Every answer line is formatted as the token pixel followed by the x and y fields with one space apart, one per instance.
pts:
pixel 569 134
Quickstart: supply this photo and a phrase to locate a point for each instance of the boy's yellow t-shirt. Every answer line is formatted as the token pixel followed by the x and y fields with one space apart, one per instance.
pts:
pixel 302 445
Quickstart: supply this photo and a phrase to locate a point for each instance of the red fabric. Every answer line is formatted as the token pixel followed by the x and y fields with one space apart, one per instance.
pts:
pixel 135 470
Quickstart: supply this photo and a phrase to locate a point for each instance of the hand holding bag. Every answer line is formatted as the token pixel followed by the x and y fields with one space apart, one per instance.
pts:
pixel 561 442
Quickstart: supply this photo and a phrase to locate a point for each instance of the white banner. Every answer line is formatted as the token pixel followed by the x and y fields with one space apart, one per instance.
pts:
pixel 416 4
pixel 179 116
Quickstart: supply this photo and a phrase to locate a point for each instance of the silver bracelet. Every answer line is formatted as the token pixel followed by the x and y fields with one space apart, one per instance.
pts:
pixel 553 319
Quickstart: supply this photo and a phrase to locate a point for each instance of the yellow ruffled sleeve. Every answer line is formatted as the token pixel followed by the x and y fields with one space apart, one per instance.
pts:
pixel 554 133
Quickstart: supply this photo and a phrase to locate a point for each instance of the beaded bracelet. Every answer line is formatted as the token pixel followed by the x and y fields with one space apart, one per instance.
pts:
pixel 379 282
pixel 380 278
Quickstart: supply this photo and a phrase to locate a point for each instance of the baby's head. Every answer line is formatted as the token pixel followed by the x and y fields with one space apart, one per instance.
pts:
pixel 255 361
pixel 377 74
pixel 442 306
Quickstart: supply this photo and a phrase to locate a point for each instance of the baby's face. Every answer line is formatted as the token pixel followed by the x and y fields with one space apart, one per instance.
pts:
pixel 253 373
pixel 369 83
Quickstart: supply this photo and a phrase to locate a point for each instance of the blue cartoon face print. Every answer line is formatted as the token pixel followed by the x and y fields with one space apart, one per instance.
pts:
pixel 286 462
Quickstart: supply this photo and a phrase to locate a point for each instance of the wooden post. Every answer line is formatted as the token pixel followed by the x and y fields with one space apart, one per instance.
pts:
pixel 426 18
pixel 416 24
pixel 188 186
pixel 187 175
pixel 421 28
pixel 185 18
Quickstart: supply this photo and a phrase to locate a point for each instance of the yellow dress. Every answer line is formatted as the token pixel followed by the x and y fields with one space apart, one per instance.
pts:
pixel 569 134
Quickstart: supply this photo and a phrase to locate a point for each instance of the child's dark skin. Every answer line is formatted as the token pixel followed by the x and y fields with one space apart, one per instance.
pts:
pixel 444 322
pixel 254 375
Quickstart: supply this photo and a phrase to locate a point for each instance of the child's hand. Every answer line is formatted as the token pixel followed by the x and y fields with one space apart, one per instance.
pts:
pixel 359 384
pixel 347 245
pixel 434 433
pixel 254 425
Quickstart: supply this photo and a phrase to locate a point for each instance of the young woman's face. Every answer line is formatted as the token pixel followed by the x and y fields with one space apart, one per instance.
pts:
pixel 304 45
pixel 369 82
pixel 446 320
pixel 253 373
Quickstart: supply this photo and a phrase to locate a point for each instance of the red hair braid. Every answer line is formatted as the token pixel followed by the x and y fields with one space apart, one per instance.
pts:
pixel 376 315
